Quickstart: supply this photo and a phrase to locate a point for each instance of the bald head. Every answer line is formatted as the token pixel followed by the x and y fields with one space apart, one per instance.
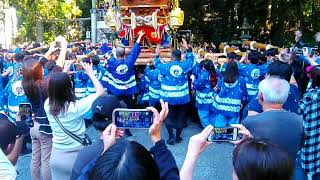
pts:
pixel 274 90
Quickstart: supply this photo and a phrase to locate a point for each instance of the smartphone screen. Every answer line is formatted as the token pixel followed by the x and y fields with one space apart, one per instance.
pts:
pixel 223 134
pixel 25 112
pixel 78 67
pixel 132 118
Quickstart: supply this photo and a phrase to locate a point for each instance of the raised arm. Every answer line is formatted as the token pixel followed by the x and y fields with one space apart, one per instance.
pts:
pixel 63 51
pixel 197 144
pixel 96 83
pixel 134 54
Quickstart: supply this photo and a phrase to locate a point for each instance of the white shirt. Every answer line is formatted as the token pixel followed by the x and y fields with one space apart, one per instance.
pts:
pixel 7 170
pixel 72 120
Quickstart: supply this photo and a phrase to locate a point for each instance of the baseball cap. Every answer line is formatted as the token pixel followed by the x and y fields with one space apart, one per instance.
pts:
pixel 102 109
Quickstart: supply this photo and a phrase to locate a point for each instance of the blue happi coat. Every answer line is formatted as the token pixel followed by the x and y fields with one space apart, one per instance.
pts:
pixel 98 71
pixel 175 86
pixel 14 95
pixel 155 79
pixel 204 90
pixel 80 84
pixel 119 77
pixel 251 74
pixel 227 101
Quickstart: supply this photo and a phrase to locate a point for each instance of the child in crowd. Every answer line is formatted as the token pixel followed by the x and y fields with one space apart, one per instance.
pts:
pixel 230 95
pixel 204 83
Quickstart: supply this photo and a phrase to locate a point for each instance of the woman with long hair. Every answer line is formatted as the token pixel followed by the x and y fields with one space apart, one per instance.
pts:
pixel 35 88
pixel 204 83
pixel 65 114
pixel 228 101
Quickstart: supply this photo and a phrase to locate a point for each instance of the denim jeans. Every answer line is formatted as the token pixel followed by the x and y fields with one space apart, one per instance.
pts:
pixel 224 121
pixel 207 117
pixel 41 152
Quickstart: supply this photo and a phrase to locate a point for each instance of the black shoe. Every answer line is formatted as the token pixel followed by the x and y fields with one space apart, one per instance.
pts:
pixel 178 140
pixel 171 141
pixel 127 133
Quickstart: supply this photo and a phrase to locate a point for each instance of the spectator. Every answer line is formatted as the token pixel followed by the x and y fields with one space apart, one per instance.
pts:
pixel 280 127
pixel 102 109
pixel 130 160
pixel 65 113
pixel 41 134
pixel 309 109
pixel 11 140
pixel 252 159
pixel 283 71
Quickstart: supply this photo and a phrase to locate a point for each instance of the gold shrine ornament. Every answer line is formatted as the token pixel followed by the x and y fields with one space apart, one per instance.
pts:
pixel 176 18
pixel 110 18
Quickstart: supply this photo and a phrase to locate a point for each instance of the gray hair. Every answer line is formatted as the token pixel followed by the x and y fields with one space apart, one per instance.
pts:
pixel 274 90
pixel 120 52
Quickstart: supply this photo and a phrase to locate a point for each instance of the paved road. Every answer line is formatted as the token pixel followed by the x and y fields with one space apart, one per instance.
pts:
pixel 214 163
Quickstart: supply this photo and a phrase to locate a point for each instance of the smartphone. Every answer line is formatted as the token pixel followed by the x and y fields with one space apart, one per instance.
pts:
pixel 78 67
pixel 25 112
pixel 223 134
pixel 132 118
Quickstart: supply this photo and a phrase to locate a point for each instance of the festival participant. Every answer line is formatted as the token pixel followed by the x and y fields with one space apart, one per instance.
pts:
pixel 154 87
pixel 204 83
pixel 124 159
pixel 81 80
pixel 309 109
pixel 284 71
pixel 252 159
pixel 230 95
pixel 98 71
pixel 175 90
pixel 35 88
pixel 3 105
pixel 119 77
pixel 143 98
pixel 14 93
pixel 65 114
pixel 251 73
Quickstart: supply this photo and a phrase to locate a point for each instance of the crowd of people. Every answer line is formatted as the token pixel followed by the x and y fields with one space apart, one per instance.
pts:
pixel 271 97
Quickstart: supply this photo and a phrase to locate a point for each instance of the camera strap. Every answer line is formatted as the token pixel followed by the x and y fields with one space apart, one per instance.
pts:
pixel 86 141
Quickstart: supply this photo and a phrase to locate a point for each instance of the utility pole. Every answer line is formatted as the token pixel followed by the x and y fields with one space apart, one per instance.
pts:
pixel 94 22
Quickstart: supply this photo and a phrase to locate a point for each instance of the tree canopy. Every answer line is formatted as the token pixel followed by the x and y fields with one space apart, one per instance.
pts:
pixel 214 20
